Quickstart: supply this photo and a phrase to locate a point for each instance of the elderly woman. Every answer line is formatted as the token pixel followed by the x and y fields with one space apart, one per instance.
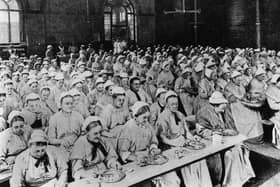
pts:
pixel 95 94
pixel 205 88
pixel 14 139
pixel 78 104
pixel 215 118
pixel 166 78
pixel 136 93
pixel 174 132
pixel 34 114
pixel 273 99
pixel 66 125
pixel 91 152
pixel 157 107
pixel 4 109
pixel 40 164
pixel 115 115
pixel 247 120
pixel 106 98
pixel 138 140
pixel 47 103
pixel 184 86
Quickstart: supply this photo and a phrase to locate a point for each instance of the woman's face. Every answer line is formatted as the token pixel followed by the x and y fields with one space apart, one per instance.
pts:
pixel 60 83
pixel 82 68
pixel 38 149
pixel 100 87
pixel 237 80
pixel 33 105
pixel 79 86
pixel 162 98
pixel 166 68
pixel 67 104
pixel 18 127
pixel 34 86
pixel 124 82
pixel 45 94
pixel 105 77
pixel 261 77
pixel 173 104
pixel 9 88
pixel 135 85
pixel 2 100
pixel 119 101
pixel 94 134
pixel 143 119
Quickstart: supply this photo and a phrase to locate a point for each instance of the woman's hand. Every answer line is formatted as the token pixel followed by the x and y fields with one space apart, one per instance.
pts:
pixel 115 165
pixel 229 132
pixel 155 151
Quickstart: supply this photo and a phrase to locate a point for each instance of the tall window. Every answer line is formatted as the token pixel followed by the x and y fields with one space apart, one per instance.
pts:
pixel 9 21
pixel 120 21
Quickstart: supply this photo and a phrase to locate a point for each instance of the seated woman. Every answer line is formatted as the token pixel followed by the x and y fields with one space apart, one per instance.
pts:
pixel 174 132
pixel 91 152
pixel 213 118
pixel 40 164
pixel 14 139
pixel 138 140
pixel 79 106
pixel 115 115
pixel 66 125
pixel 273 99
pixel 247 120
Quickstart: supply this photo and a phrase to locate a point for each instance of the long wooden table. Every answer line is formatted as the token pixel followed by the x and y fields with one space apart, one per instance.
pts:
pixel 140 174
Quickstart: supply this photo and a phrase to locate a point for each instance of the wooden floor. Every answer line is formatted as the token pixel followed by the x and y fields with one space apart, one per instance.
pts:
pixel 266 163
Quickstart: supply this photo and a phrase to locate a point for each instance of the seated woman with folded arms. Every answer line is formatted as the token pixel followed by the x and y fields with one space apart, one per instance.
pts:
pixel 91 152
pixel 39 165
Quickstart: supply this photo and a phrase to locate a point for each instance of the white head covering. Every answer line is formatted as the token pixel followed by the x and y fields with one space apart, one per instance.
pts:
pixel 38 136
pixel 32 96
pixel 62 96
pixel 90 120
pixel 99 80
pixel 76 81
pixel 160 91
pixel 108 83
pixel 59 76
pixel 170 94
pixel 14 114
pixel 116 90
pixel 235 74
pixel 137 106
pixel 260 71
pixel 217 98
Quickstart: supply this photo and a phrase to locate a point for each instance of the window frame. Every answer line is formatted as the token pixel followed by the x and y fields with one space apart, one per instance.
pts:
pixel 20 13
pixel 129 11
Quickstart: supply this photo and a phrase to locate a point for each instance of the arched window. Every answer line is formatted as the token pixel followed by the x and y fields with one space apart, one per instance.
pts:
pixel 120 21
pixel 9 21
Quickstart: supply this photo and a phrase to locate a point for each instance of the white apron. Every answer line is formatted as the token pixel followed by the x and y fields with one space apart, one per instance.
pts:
pixel 238 168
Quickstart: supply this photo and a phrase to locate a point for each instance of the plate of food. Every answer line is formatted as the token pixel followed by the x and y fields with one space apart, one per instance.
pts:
pixel 153 160
pixel 111 176
pixel 194 145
